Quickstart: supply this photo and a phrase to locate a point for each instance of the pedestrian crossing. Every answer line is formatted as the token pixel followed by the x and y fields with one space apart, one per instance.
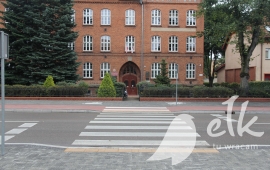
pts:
pixel 136 127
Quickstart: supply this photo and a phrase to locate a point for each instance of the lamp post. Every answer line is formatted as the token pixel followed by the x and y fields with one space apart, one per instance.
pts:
pixel 176 82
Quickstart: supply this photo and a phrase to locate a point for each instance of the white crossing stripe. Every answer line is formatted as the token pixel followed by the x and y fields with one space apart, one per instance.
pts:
pixel 139 134
pixel 15 131
pixel 136 109
pixel 135 119
pixel 137 114
pixel 141 122
pixel 28 125
pixel 132 116
pixel 217 115
pixel 163 108
pixel 140 127
pixel 138 143
pixel 7 137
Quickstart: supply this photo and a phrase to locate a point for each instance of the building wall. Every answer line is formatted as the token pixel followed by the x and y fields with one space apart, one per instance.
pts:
pixel 142 56
pixel 258 61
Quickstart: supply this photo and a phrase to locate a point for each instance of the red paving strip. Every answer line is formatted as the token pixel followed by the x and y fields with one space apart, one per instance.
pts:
pixel 53 107
pixel 215 108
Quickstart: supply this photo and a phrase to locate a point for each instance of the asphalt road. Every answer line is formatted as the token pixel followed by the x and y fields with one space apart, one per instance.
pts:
pixel 70 129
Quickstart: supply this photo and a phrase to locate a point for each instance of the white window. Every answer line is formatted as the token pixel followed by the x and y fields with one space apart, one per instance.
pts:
pixel 173 18
pixel 190 71
pixel 191 44
pixel 155 69
pixel 87 43
pixel 130 44
pixel 173 71
pixel 87 70
pixel 71 45
pixel 130 17
pixel 105 17
pixel 173 44
pixel 105 43
pixel 267 53
pixel 191 19
pixel 156 17
pixel 155 44
pixel 87 17
pixel 73 16
pixel 104 68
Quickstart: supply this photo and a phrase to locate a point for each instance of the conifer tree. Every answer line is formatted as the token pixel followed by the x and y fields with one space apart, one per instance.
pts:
pixel 106 88
pixel 163 78
pixel 40 31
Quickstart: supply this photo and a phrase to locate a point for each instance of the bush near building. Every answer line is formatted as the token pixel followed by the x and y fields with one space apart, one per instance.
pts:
pixel 106 88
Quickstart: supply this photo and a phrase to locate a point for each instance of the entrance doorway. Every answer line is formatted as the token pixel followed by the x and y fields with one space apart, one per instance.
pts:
pixel 130 74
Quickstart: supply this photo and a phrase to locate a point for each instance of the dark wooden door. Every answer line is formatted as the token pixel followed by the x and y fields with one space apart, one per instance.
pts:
pixel 130 81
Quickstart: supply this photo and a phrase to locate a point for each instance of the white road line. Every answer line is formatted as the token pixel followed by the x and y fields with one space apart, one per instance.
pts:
pixel 140 127
pixel 7 137
pixel 21 121
pixel 262 123
pixel 28 125
pixel 133 116
pixel 217 115
pixel 142 122
pixel 135 119
pixel 15 131
pixel 139 134
pixel 137 143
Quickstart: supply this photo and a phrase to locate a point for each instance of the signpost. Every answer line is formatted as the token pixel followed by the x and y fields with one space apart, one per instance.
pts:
pixel 4 52
pixel 176 82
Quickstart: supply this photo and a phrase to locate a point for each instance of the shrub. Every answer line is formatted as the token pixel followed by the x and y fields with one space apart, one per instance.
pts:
pixel 106 88
pixel 211 91
pixel 49 82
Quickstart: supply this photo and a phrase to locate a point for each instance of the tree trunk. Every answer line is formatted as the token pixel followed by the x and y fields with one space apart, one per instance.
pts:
pixel 244 75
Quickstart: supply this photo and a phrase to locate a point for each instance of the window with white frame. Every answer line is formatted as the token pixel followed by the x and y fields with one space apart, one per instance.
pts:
pixel 155 69
pixel 173 71
pixel 73 16
pixel 156 17
pixel 190 71
pixel 71 45
pixel 87 43
pixel 267 53
pixel 105 43
pixel 130 44
pixel 105 17
pixel 155 44
pixel 191 19
pixel 191 44
pixel 173 18
pixel 130 17
pixel 104 68
pixel 173 44
pixel 87 17
pixel 87 70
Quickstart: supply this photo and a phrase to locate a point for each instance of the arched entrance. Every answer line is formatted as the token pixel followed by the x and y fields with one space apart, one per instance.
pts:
pixel 130 74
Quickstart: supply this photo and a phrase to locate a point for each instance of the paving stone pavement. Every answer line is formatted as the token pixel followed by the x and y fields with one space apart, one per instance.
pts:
pixel 48 158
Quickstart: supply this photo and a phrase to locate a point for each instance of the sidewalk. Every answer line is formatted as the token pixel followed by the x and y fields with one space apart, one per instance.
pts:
pixel 98 106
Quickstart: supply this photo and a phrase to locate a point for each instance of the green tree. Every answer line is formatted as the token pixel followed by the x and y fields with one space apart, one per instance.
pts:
pixel 217 26
pixel 49 82
pixel 163 78
pixel 248 18
pixel 106 88
pixel 40 31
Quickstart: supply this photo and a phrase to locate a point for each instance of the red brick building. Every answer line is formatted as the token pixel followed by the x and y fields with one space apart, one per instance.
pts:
pixel 129 38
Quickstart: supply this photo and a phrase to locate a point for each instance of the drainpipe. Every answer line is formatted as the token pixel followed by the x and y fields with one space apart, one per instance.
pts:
pixel 142 42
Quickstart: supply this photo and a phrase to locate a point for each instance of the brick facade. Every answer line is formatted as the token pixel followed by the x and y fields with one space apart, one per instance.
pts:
pixel 142 58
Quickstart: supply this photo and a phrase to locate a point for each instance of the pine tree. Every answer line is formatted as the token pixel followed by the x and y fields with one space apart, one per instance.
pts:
pixel 49 82
pixel 106 88
pixel 40 31
pixel 163 78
